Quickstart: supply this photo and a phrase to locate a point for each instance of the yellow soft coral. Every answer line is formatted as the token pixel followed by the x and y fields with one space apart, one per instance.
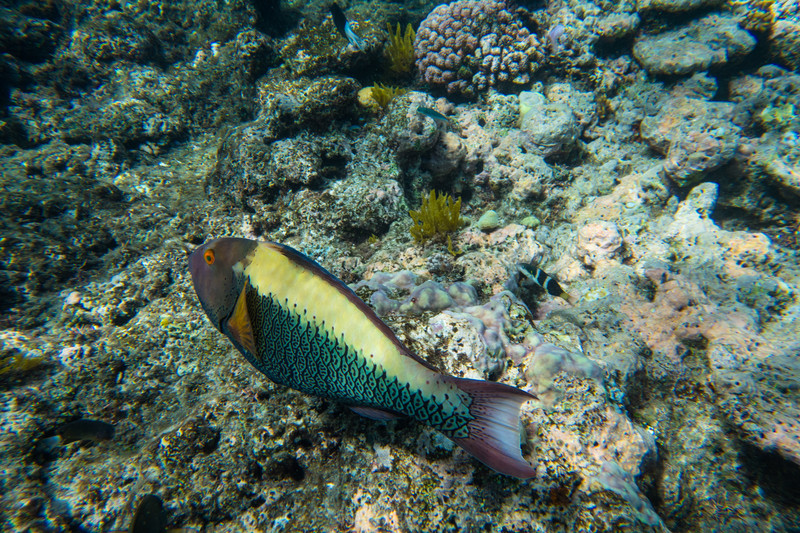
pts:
pixel 438 216
pixel 400 49
pixel 383 94
pixel 18 363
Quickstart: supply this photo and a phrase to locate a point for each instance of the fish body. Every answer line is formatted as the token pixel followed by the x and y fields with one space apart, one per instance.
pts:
pixel 345 27
pixel 543 279
pixel 150 516
pixel 432 113
pixel 85 429
pixel 303 328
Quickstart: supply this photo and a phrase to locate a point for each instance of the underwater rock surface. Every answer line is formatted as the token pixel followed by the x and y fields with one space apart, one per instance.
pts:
pixel 713 41
pixel 644 155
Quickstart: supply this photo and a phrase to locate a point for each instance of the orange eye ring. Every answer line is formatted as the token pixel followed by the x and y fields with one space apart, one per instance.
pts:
pixel 208 255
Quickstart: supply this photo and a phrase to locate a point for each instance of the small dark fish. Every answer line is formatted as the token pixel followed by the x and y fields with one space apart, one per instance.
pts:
pixel 304 328
pixel 344 26
pixel 85 429
pixel 150 516
pixel 542 279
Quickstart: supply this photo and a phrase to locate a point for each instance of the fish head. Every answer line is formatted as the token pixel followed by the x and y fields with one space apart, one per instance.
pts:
pixel 217 273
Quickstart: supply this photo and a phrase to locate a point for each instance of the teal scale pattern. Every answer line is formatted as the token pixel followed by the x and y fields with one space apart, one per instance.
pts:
pixel 301 354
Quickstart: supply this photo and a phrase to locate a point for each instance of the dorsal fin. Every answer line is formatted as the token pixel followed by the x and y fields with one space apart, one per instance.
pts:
pixel 239 325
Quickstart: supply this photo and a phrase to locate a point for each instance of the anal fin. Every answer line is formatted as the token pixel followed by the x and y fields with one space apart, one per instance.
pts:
pixel 239 325
pixel 375 414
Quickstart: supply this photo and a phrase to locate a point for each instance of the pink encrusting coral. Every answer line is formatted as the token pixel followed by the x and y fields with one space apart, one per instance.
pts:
pixel 470 45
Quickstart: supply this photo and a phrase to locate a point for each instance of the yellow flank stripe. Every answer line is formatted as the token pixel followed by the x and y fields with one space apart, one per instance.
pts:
pixel 272 272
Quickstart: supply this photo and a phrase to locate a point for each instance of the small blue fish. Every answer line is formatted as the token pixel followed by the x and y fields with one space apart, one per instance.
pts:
pixel 345 28
pixel 439 118
pixel 432 113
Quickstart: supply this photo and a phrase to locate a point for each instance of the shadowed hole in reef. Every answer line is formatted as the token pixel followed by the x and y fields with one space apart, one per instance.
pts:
pixel 777 477
pixel 752 202
pixel 285 466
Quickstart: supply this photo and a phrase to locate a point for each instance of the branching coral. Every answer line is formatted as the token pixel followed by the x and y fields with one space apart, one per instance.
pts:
pixel 383 94
pixel 438 216
pixel 400 49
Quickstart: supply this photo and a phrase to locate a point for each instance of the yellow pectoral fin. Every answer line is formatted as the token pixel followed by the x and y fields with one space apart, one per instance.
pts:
pixel 239 324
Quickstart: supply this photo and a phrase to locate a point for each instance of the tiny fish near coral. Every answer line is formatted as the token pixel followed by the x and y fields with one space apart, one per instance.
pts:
pixel 304 328
pixel 433 114
pixel 345 28
pixel 85 429
pixel 542 279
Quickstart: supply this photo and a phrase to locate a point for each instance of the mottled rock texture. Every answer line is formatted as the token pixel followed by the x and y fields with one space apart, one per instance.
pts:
pixel 695 135
pixel 712 41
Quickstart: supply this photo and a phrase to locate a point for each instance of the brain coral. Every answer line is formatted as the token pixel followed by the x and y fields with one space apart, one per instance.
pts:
pixel 470 45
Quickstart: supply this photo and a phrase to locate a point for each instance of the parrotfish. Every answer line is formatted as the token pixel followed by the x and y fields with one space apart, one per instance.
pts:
pixel 303 328
pixel 344 26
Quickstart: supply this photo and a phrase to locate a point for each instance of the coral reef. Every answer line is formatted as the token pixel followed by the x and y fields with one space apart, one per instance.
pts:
pixel 551 127
pixel 675 6
pixel 13 362
pixel 783 36
pixel 771 98
pixel 468 46
pixel 651 165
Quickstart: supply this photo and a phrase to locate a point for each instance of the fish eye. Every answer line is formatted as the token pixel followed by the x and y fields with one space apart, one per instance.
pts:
pixel 208 255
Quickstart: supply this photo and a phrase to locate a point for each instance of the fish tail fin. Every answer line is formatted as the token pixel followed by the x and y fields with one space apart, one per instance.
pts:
pixel 494 433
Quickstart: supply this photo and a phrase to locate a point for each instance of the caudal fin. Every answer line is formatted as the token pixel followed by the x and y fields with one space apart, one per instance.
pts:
pixel 494 434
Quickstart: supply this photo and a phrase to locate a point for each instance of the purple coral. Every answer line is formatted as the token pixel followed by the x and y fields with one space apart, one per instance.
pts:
pixel 470 45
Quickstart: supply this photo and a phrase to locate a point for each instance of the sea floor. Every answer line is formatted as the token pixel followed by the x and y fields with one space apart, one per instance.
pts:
pixel 660 190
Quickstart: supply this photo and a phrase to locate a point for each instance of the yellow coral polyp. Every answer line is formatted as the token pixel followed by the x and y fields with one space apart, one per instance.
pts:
pixel 439 215
pixel 400 49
